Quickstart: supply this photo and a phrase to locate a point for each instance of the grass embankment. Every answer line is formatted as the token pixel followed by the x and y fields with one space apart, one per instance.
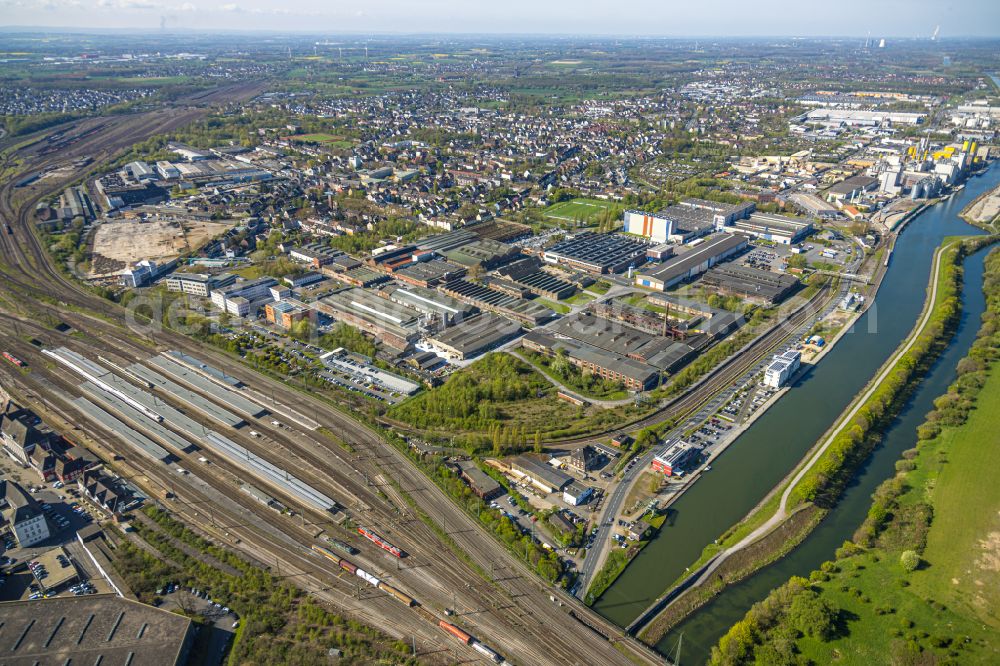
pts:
pixel 278 622
pixel 920 582
pixel 820 487
pixel 825 480
pixel 618 559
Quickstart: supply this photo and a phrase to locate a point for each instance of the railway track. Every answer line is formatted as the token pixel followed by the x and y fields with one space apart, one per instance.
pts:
pixel 513 611
pixel 721 376
pixel 429 575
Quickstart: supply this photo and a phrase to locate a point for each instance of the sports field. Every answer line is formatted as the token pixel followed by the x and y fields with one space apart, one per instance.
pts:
pixel 323 138
pixel 584 210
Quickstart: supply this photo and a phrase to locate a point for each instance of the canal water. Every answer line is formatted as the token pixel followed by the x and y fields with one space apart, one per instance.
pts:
pixel 765 453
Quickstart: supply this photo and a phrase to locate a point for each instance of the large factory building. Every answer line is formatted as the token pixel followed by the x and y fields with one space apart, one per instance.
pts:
pixel 654 226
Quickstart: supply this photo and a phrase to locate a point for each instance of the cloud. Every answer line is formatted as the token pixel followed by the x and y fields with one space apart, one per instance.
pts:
pixel 126 4
pixel 231 7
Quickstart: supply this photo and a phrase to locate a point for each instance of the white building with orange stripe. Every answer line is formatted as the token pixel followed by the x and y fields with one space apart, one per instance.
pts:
pixel 657 228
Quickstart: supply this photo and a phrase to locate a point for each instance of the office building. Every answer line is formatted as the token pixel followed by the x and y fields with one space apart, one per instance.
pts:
pixel 198 284
pixel 238 298
pixel 22 515
pixel 781 368
pixel 674 457
pixel 283 314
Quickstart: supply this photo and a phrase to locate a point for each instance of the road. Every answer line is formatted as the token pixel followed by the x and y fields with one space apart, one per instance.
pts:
pixel 781 514
pixel 511 609
pixel 713 393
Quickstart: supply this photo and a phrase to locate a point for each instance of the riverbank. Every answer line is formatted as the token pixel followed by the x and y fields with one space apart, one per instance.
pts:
pixel 920 580
pixel 819 480
pixel 782 437
pixel 984 210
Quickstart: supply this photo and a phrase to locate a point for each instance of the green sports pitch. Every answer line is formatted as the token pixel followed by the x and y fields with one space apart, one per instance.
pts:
pixel 585 210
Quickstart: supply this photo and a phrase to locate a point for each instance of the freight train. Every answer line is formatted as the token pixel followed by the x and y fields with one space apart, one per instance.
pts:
pixel 374 581
pixel 472 642
pixel 380 542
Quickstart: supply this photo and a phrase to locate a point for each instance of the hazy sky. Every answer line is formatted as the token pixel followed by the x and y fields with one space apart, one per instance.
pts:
pixel 677 18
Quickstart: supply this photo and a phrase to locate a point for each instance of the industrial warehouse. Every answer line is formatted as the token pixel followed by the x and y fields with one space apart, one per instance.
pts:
pixel 102 629
pixel 692 263
pixel 751 284
pixel 475 336
pixel 394 324
pixel 597 253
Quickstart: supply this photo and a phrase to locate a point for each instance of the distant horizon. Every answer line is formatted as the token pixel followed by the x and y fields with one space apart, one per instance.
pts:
pixel 890 19
pixel 312 32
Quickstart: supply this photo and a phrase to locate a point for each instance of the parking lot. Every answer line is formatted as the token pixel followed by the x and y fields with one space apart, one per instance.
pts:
pixel 220 621
pixel 767 257
pixel 356 374
pixel 65 513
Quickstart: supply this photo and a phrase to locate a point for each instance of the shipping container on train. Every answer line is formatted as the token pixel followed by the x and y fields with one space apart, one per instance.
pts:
pixel 488 652
pixel 389 589
pixel 367 577
pixel 455 631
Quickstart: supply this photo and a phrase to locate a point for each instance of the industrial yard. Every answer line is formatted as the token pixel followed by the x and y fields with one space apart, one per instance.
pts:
pixel 128 242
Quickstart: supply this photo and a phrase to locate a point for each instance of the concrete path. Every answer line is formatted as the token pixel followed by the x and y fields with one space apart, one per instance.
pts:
pixel 573 392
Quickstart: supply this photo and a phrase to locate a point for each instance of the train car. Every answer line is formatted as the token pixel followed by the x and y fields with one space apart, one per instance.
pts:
pixel 455 631
pixel 367 577
pixel 18 362
pixel 341 546
pixel 489 653
pixel 327 554
pixel 9 230
pixel 389 589
pixel 379 541
pixel 349 567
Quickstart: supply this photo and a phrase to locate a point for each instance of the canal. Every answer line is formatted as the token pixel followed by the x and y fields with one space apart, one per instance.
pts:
pixel 765 453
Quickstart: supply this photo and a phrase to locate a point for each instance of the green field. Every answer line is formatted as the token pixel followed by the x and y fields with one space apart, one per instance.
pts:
pixel 919 582
pixel 583 210
pixel 956 592
pixel 323 138
pixel 963 544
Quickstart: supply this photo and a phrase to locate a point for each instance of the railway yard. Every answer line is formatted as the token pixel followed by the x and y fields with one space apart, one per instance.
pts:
pixel 137 407
pixel 420 352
